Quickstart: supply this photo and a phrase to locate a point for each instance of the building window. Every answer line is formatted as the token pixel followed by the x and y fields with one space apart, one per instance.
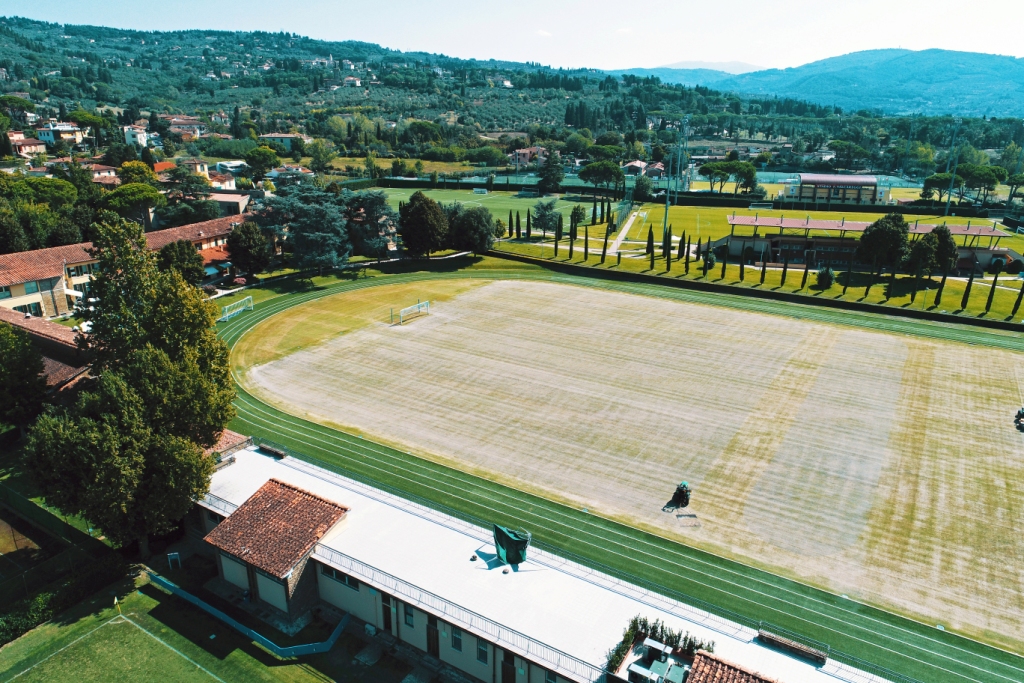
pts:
pixel 350 581
pixel 31 287
pixel 214 517
pixel 32 309
pixel 481 651
pixel 5 292
pixel 457 638
pixel 549 677
pixel 408 615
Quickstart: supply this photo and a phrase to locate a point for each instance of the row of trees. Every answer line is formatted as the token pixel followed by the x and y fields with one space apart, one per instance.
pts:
pixel 427 226
pixel 981 179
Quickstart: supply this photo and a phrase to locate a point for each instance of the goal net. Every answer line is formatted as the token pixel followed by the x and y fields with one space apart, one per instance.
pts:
pixel 231 310
pixel 419 308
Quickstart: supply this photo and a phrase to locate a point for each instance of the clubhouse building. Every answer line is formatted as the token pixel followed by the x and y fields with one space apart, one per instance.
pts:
pixel 822 188
pixel 289 537
pixel 50 282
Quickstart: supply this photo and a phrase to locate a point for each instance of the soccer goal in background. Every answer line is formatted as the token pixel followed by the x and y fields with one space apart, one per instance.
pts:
pixel 231 310
pixel 417 309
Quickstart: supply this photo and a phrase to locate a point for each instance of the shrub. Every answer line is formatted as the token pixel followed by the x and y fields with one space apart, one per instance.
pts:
pixel 238 282
pixel 209 290
pixel 24 615
pixel 640 628
pixel 1015 267
pixel 710 258
pixel 826 277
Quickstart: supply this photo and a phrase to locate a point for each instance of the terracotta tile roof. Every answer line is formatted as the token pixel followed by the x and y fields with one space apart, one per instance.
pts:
pixel 276 527
pixel 41 263
pixel 709 668
pixel 39 327
pixel 58 372
pixel 218 227
pixel 215 255
pixel 163 166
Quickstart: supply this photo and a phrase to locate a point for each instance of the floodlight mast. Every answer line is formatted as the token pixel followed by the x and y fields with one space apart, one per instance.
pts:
pixel 956 161
pixel 681 151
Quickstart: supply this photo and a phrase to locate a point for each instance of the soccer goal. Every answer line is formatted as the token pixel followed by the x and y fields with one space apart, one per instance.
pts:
pixel 231 310
pixel 419 308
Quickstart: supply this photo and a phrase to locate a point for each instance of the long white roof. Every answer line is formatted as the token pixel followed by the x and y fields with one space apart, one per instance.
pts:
pixel 554 602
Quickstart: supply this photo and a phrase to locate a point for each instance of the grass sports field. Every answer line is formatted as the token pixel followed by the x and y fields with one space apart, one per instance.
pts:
pixel 800 358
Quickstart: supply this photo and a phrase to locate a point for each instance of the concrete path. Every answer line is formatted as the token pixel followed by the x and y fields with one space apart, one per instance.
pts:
pixel 622 233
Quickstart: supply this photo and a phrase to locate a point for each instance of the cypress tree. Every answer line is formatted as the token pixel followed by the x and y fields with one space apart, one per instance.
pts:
pixel 650 240
pixel 528 227
pixel 725 258
pixel 849 272
pixel 558 234
pixel 593 210
pixel 683 246
pixel 785 269
pixel 698 252
pixel 705 268
pixel 519 231
pixel 652 253
pixel 586 242
pixel 995 281
pixel 602 212
pixel 967 292
pixel 510 223
pixel 807 265
pixel 1016 304
pixel 572 240
pixel 618 258
pixel 942 285
pixel 743 261
pixel 764 268
pixel 668 255
pixel 686 255
pixel 604 247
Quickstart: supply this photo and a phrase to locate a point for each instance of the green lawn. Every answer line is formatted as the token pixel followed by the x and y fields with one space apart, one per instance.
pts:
pixel 157 636
pixel 740 591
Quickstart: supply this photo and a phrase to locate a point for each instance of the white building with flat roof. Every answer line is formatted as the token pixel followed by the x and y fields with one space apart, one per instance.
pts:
pixel 433 580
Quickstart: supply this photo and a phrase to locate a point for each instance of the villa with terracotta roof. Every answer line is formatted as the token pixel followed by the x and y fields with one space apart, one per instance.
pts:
pixel 49 282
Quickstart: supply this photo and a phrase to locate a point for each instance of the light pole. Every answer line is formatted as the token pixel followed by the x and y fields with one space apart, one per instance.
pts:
pixel 956 161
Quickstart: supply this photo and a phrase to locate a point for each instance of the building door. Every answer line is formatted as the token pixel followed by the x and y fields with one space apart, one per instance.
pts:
pixel 385 602
pixel 433 642
pixel 508 668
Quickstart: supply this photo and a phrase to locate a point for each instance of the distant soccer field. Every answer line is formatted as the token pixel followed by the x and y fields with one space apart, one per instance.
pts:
pixel 881 466
pixel 499 203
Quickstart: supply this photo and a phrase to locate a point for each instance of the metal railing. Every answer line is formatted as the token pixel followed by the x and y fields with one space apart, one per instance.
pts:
pixel 225 507
pixel 564 664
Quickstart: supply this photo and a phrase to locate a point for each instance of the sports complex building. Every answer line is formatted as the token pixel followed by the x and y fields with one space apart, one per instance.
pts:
pixel 292 538
pixel 820 242
pixel 822 188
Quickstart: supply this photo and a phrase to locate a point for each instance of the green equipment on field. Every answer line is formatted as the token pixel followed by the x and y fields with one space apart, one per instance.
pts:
pixel 511 545
pixel 681 498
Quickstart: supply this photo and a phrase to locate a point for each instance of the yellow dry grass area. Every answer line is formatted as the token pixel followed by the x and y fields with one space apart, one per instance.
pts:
pixel 876 465
pixel 300 327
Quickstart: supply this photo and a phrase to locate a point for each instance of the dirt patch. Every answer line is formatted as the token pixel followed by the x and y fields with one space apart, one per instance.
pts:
pixel 880 466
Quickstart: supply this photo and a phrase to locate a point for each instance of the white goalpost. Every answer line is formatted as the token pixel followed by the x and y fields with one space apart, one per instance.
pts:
pixel 419 308
pixel 231 310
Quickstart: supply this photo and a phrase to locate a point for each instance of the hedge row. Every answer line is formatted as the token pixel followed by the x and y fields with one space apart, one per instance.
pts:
pixel 26 614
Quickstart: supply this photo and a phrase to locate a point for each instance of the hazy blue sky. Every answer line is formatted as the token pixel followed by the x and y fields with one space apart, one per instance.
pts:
pixel 595 33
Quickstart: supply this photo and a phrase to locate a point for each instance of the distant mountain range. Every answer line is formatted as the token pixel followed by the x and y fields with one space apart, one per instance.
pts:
pixel 893 81
pixel 727 67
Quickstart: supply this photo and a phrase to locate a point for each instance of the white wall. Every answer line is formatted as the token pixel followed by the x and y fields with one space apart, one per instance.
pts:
pixel 272 592
pixel 235 572
pixel 417 633
pixel 361 604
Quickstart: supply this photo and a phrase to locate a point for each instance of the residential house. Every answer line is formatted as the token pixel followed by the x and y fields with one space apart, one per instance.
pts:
pixel 352 82
pixel 50 282
pixel 635 167
pixel 181 122
pixel 23 147
pixel 53 131
pixel 222 181
pixel 655 170
pixel 196 166
pixel 135 135
pixel 286 139
pixel 529 155
pixel 290 172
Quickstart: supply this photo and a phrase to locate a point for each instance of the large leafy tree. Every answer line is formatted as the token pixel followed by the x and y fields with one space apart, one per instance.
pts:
pixel 545 216
pixel 940 183
pixel 181 256
pixel 135 201
pixel 946 251
pixel 422 225
pixel 551 175
pixel 321 154
pixel 22 386
pixel 129 455
pixel 315 223
pixel 261 160
pixel 249 248
pixel 373 224
pixel 470 228
pixel 884 241
pixel 603 173
pixel 137 172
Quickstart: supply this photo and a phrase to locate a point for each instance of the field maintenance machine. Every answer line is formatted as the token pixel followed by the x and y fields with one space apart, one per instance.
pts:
pixel 681 497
